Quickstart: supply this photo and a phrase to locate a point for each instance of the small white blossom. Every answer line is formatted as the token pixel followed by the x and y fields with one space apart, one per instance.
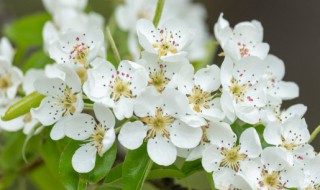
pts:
pixel 6 50
pixel 242 41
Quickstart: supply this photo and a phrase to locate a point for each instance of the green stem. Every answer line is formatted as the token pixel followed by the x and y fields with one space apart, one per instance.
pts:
pixel 211 183
pixel 314 134
pixel 88 106
pixel 113 45
pixel 158 13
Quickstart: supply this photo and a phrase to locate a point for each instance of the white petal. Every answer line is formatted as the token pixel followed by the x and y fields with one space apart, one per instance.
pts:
pixel 145 31
pixel 84 159
pixel 176 103
pixel 288 90
pixel 79 126
pixel 132 134
pixel 161 150
pixel 275 159
pixel 295 130
pixel 227 106
pixel 193 121
pixel 208 78
pixel 108 140
pixel 48 112
pixel 221 134
pixel 272 134
pixel 123 108
pixel 211 158
pixel 292 177
pixel 30 77
pixel 146 102
pixel 298 109
pixel 11 125
pixel 223 178
pixel 183 136
pixel 50 86
pixel 57 131
pixel 250 143
pixel 197 152
pixel 104 115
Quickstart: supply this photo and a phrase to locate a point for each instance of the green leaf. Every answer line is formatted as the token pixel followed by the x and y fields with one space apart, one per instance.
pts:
pixel 135 168
pixel 211 46
pixel 165 172
pixel 189 168
pixel 103 165
pixel 70 178
pixel 114 175
pixel 44 180
pixel 23 106
pixel 38 60
pixel 50 154
pixel 28 30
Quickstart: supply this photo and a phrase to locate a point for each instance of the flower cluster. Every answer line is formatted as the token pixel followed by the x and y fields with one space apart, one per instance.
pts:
pixel 230 117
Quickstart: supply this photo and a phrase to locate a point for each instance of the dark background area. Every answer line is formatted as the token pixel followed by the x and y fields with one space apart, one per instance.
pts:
pixel 291 27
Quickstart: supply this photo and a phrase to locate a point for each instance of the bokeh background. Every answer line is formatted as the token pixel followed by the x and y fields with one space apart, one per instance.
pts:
pixel 291 27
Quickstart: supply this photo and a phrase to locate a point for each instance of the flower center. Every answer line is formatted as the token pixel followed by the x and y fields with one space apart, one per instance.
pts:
pixel 271 180
pixel 238 91
pixel 97 138
pixel 199 99
pixel 5 81
pixel 68 101
pixel 158 124
pixel 166 45
pixel 244 51
pixel 158 80
pixel 288 146
pixel 80 53
pixel 27 118
pixel 121 88
pixel 232 158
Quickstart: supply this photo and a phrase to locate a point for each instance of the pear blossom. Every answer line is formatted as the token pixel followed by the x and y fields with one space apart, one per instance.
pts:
pixel 168 41
pixel 224 157
pixel 160 125
pixel 63 98
pixel 55 5
pixel 274 114
pixel 30 77
pixel 293 136
pixel 99 137
pixel 277 89
pixel 272 171
pixel 200 88
pixel 10 79
pixel 6 50
pixel 162 74
pixel 115 88
pixel 242 41
pixel 243 89
pixel 77 48
pixel 312 173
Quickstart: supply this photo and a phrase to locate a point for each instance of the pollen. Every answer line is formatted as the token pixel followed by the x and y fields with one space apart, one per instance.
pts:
pixel 5 81
pixel 97 138
pixel 166 44
pixel 158 80
pixel 158 124
pixel 80 54
pixel 121 88
pixel 271 180
pixel 199 99
pixel 232 158
pixel 68 101
pixel 238 91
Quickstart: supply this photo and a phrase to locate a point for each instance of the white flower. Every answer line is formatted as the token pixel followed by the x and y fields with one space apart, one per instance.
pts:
pixel 243 89
pixel 115 88
pixel 63 98
pixel 162 74
pixel 55 5
pixel 30 77
pixel 159 123
pixel 276 89
pixel 78 48
pixel 10 79
pixel 168 41
pixel 242 41
pixel 6 50
pixel 292 135
pixel 99 136
pixel 274 114
pixel 273 171
pixel 200 88
pixel 312 172
pixel 224 157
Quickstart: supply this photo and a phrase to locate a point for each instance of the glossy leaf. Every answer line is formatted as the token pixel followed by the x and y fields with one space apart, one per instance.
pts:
pixel 165 172
pixel 136 168
pixel 23 106
pixel 28 30
pixel 70 178
pixel 103 165
pixel 44 180
pixel 38 60
pixel 189 168
pixel 114 175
